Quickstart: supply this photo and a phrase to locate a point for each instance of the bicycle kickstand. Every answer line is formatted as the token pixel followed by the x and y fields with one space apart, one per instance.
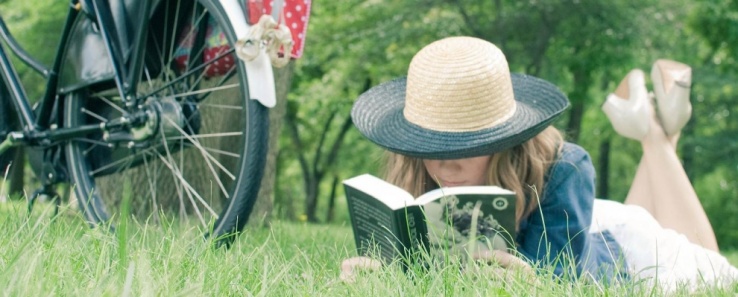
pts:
pixel 48 191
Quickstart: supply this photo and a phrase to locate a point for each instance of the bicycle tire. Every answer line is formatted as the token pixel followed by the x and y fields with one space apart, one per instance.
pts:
pixel 210 168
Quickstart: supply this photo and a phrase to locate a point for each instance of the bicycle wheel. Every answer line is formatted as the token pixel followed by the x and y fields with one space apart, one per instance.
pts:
pixel 195 143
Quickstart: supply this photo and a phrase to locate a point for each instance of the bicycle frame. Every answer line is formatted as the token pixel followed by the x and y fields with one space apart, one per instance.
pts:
pixel 38 130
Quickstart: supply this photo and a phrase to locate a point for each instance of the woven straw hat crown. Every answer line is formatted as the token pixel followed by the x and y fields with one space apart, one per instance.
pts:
pixel 459 84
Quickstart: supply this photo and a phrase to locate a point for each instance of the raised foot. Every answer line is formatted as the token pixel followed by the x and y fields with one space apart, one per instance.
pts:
pixel 672 81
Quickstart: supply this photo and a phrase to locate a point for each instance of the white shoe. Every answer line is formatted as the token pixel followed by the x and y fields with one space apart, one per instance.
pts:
pixel 671 84
pixel 629 108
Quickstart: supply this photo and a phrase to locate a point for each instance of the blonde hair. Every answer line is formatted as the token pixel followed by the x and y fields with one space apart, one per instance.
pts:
pixel 521 169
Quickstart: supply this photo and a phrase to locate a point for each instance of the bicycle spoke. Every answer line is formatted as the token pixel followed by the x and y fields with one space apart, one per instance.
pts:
pixel 172 34
pixel 200 51
pixel 123 160
pixel 88 150
pixel 225 78
pixel 196 54
pixel 125 167
pixel 181 165
pixel 181 189
pixel 183 185
pixel 185 75
pixel 197 209
pixel 94 115
pixel 223 106
pixel 222 152
pixel 151 179
pixel 174 45
pixel 149 80
pixel 211 158
pixel 95 142
pixel 197 81
pixel 161 50
pixel 199 136
pixel 187 185
pixel 228 75
pixel 113 105
pixel 226 87
pixel 208 159
pixel 178 184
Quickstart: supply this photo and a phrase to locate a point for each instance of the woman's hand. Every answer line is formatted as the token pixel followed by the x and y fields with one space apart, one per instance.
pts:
pixel 351 266
pixel 504 265
pixel 503 259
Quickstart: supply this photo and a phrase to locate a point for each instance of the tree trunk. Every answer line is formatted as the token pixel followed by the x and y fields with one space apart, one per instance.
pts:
pixel 577 97
pixel 332 200
pixel 312 186
pixel 603 169
pixel 575 121
pixel 261 215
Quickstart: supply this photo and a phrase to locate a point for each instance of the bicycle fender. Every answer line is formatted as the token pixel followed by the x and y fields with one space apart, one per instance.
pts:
pixel 86 59
pixel 259 72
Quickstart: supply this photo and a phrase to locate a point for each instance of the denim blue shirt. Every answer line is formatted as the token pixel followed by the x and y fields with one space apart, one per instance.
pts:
pixel 557 233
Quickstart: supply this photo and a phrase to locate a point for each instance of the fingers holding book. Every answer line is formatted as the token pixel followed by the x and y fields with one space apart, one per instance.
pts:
pixel 504 266
pixel 502 259
pixel 352 266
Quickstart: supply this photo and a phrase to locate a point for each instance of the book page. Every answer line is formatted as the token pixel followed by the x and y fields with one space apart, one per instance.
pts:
pixel 463 224
pixel 392 196
pixel 447 191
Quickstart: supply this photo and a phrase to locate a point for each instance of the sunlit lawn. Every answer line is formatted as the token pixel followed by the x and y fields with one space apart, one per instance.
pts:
pixel 61 256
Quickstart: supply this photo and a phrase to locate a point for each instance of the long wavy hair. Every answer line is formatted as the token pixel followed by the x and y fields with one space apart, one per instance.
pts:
pixel 521 169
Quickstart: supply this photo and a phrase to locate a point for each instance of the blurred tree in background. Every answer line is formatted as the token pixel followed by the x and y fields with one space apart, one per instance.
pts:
pixel 711 145
pixel 584 47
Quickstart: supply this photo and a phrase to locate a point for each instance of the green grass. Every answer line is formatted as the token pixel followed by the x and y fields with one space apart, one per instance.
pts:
pixel 61 256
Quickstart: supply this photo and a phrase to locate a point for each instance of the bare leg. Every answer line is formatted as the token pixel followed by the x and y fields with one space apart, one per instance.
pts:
pixel 660 186
pixel 675 203
pixel 640 192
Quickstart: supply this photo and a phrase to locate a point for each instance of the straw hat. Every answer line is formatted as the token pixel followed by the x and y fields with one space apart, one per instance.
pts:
pixel 459 100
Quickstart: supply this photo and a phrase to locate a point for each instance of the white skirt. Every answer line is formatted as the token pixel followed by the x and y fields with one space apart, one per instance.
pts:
pixel 658 255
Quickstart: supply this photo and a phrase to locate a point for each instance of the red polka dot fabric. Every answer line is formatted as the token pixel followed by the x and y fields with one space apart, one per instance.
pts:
pixel 294 15
pixel 215 45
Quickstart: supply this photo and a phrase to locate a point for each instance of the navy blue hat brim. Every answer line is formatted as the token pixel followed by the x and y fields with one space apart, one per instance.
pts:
pixel 378 114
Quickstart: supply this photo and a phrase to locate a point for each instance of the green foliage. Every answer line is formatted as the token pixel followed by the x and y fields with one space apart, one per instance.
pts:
pixel 36 25
pixel 717 23
pixel 714 164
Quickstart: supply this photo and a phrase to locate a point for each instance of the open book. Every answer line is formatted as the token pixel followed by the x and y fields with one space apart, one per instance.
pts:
pixel 389 222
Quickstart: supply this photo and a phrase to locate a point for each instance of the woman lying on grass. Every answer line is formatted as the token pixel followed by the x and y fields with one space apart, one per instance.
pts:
pixel 461 118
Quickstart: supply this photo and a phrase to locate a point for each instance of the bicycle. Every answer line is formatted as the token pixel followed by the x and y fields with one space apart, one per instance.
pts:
pixel 122 102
